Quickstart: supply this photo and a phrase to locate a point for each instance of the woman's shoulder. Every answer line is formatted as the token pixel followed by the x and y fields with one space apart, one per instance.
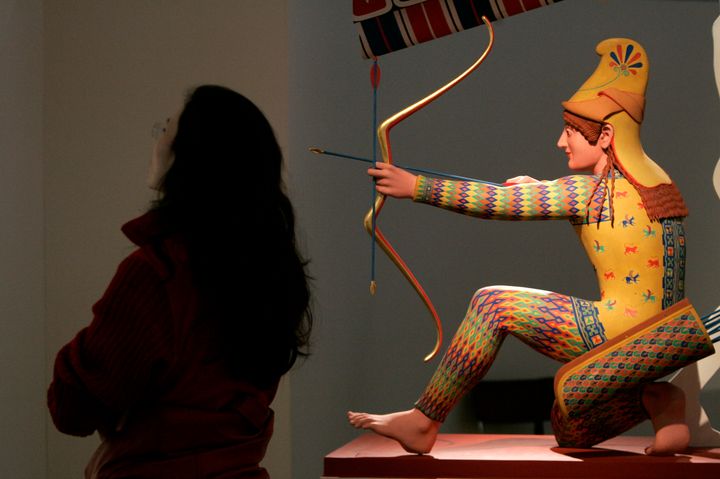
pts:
pixel 164 252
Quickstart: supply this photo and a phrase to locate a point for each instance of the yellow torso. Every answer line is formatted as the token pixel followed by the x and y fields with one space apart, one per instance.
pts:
pixel 628 260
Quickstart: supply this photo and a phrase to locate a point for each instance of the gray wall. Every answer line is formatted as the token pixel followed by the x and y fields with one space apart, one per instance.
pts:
pixel 22 338
pixel 501 122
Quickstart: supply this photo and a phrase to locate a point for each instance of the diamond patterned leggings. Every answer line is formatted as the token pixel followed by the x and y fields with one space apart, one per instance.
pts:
pixel 545 321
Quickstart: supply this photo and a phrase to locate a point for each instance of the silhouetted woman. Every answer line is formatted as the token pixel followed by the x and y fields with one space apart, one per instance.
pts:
pixel 186 348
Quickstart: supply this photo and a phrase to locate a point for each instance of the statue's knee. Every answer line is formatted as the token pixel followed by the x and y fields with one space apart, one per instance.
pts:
pixel 485 292
pixel 479 297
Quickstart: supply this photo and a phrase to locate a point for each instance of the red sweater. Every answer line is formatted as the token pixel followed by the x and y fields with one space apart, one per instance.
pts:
pixel 143 374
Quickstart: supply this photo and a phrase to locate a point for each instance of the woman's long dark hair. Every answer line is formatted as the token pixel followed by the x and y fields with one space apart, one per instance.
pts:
pixel 224 195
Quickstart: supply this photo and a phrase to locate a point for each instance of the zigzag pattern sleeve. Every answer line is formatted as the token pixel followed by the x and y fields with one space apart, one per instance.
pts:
pixel 563 198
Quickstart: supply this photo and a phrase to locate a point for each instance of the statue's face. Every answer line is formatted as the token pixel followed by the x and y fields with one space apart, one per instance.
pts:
pixel 163 155
pixel 582 156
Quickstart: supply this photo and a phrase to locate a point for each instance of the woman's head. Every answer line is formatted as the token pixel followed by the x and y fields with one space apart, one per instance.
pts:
pixel 162 157
pixel 223 195
pixel 220 138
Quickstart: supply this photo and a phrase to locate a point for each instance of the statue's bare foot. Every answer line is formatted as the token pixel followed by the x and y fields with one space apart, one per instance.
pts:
pixel 414 431
pixel 665 403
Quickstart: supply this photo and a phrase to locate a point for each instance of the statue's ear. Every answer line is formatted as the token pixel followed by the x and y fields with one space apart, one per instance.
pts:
pixel 606 135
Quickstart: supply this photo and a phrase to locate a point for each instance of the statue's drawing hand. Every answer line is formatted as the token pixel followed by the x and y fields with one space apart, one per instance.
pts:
pixel 516 180
pixel 393 181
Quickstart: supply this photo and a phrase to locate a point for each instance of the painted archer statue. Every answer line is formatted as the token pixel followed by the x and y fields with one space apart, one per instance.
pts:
pixel 628 215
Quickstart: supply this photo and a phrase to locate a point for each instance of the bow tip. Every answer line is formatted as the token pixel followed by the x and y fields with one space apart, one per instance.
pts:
pixel 430 356
pixel 436 348
pixel 373 287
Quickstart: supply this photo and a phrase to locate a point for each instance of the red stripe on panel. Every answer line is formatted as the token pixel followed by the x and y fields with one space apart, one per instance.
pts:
pixel 531 4
pixel 437 19
pixel 364 9
pixel 513 7
pixel 419 24
pixel 382 33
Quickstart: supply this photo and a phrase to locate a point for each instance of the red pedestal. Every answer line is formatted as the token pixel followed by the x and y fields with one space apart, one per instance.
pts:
pixel 516 456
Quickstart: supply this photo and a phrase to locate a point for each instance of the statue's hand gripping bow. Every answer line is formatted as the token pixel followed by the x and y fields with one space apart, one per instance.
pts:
pixel 370 221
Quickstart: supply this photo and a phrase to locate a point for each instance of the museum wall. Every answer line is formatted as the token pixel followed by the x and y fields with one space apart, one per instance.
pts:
pixel 501 122
pixel 112 69
pixel 22 334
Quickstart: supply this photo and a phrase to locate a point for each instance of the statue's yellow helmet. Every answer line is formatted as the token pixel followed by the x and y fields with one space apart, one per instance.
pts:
pixel 615 94
pixel 617 84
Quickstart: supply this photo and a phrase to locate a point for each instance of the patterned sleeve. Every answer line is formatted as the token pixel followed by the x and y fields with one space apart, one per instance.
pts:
pixel 564 198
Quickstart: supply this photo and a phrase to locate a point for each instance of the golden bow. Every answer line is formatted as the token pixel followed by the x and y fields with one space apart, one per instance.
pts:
pixel 370 221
